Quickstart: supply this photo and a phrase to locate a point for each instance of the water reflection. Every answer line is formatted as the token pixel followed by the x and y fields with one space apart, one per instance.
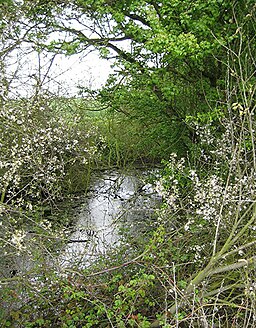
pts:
pixel 115 199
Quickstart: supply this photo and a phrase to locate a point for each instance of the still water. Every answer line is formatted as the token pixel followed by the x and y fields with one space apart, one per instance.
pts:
pixel 116 200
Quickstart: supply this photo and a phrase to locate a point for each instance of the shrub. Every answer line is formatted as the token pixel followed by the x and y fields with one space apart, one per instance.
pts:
pixel 40 152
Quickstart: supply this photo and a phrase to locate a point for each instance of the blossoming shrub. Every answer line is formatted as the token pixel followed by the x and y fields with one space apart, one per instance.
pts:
pixel 210 212
pixel 44 157
pixel 39 152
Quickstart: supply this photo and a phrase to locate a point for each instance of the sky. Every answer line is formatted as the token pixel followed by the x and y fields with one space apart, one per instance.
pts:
pixel 90 71
pixel 60 74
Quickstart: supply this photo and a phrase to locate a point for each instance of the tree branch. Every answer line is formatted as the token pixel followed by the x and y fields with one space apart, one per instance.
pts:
pixel 138 18
pixel 239 264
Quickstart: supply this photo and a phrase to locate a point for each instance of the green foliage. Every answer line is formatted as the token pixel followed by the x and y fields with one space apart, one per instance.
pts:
pixel 174 63
pixel 185 84
pixel 110 301
pixel 172 66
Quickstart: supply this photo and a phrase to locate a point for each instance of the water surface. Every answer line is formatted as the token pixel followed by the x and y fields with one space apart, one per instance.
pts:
pixel 115 200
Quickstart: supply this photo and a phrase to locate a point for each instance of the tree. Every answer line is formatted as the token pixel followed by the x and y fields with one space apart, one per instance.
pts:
pixel 168 54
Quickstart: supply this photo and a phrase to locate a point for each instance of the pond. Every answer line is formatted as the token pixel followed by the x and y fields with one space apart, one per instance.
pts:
pixel 116 201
